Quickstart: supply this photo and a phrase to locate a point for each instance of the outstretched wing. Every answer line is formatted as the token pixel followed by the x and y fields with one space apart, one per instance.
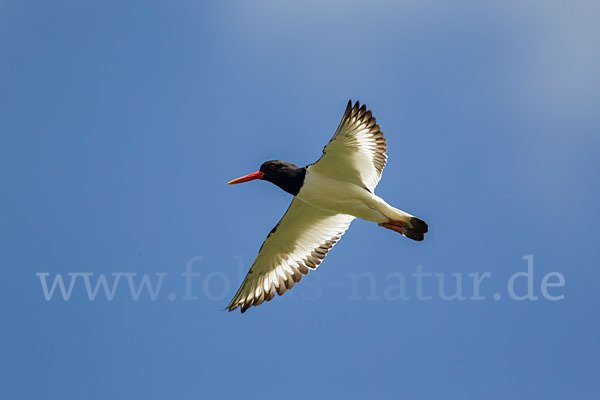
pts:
pixel 297 244
pixel 356 152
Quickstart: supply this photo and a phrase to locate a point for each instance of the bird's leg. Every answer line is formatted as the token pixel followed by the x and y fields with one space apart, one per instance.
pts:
pixel 396 226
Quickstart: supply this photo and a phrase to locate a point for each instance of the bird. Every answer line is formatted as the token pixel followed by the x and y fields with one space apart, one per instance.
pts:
pixel 328 195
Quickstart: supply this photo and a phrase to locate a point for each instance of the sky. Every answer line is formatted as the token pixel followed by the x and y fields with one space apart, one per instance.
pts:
pixel 122 122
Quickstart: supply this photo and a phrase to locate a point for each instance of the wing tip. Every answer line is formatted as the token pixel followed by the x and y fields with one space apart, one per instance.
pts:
pixel 232 307
pixel 357 110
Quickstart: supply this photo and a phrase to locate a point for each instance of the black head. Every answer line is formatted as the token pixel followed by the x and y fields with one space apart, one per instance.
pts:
pixel 287 176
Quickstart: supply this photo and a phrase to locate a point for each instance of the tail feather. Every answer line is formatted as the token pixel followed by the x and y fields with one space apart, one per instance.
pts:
pixel 416 229
pixel 400 221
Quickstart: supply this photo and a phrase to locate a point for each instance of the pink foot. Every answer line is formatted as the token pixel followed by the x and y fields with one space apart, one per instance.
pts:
pixel 396 226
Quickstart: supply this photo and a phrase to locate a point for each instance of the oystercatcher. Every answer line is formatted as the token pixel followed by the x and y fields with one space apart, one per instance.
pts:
pixel 328 195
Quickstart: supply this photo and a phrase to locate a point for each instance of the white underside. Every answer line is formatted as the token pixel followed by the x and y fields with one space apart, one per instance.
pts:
pixel 342 197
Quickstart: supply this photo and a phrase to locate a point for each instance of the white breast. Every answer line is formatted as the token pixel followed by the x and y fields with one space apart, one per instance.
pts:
pixel 338 196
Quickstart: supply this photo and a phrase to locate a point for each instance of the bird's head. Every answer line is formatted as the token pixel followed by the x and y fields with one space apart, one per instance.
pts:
pixel 286 175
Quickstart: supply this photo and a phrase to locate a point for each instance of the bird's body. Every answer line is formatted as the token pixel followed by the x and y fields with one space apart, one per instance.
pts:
pixel 349 198
pixel 329 194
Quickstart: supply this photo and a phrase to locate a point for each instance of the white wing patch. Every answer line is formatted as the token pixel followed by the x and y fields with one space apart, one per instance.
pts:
pixel 356 152
pixel 298 243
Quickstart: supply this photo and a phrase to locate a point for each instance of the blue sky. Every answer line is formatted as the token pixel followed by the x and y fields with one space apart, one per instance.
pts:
pixel 121 124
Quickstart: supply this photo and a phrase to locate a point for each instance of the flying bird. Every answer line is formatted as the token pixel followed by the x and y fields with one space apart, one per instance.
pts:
pixel 328 195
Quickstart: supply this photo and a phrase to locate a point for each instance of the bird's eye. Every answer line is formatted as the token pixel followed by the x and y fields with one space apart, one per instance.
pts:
pixel 272 167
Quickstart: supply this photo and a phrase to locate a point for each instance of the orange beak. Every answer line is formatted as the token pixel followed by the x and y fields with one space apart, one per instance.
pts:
pixel 247 178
